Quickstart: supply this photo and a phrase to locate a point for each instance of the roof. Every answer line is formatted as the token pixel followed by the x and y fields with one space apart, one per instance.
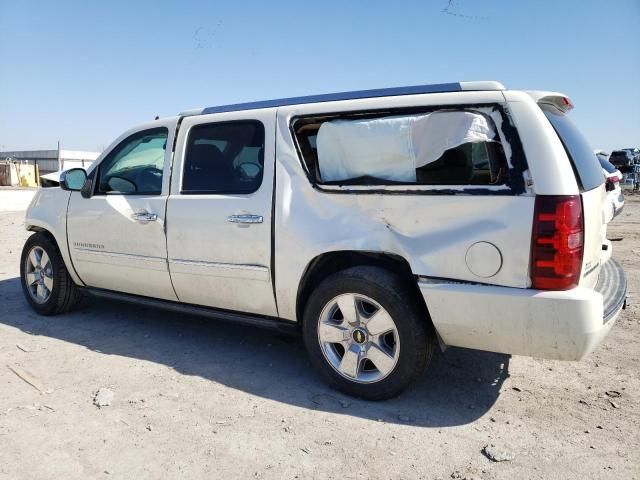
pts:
pixel 354 95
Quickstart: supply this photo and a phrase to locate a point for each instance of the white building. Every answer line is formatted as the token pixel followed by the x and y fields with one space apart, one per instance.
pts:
pixel 51 160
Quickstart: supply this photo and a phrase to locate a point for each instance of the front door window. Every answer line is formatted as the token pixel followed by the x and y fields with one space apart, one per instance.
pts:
pixel 135 166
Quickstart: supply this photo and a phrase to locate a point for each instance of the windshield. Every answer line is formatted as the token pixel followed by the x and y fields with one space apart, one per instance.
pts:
pixel 584 161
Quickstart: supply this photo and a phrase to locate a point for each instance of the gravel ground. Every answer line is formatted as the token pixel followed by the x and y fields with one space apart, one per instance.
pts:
pixel 184 397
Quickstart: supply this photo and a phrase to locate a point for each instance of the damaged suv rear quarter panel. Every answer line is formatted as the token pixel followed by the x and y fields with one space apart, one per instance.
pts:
pixel 432 232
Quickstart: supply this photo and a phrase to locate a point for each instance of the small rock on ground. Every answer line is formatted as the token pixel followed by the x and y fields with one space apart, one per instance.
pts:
pixel 103 398
pixel 496 454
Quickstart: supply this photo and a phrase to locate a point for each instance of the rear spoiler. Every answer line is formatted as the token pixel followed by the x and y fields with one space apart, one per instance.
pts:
pixel 554 99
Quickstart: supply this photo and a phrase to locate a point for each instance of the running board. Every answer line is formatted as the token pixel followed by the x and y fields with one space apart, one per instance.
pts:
pixel 260 321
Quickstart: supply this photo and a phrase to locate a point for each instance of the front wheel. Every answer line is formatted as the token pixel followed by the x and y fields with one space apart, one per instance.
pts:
pixel 366 332
pixel 46 283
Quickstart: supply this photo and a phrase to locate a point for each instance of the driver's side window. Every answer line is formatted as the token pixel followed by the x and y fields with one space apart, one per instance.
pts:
pixel 135 166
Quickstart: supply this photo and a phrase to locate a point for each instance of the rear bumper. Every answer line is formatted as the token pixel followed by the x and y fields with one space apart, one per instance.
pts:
pixel 612 285
pixel 562 325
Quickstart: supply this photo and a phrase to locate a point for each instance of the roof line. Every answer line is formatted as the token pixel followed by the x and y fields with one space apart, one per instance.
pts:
pixel 354 95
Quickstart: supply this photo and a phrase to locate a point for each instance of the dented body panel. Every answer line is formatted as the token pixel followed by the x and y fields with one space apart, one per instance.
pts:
pixel 564 325
pixel 432 232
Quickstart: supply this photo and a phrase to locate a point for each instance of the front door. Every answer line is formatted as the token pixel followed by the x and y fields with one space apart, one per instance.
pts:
pixel 219 211
pixel 117 236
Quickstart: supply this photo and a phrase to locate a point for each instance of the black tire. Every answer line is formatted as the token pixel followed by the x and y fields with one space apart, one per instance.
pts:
pixel 398 298
pixel 65 295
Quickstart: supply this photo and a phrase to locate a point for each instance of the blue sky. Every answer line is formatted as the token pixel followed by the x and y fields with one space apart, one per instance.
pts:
pixel 83 72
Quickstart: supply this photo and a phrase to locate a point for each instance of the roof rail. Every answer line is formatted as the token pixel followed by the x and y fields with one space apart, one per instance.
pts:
pixel 331 97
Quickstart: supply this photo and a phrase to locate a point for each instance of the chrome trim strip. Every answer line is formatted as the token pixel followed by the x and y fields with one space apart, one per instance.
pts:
pixel 414 188
pixel 122 255
pixel 234 266
pixel 446 281
pixel 218 269
pixel 122 260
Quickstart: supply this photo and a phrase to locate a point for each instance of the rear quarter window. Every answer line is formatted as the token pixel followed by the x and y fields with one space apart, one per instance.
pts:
pixel 450 146
pixel 583 159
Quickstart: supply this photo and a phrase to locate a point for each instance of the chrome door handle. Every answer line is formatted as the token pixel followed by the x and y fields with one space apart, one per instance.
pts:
pixel 143 216
pixel 245 218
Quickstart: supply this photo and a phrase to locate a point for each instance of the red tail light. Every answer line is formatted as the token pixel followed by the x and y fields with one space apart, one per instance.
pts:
pixel 558 242
pixel 611 183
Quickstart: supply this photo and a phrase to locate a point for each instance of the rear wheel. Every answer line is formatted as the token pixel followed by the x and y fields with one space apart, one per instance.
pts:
pixel 366 332
pixel 46 283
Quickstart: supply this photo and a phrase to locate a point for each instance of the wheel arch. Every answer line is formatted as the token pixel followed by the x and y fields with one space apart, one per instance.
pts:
pixel 40 229
pixel 328 263
pixel 38 226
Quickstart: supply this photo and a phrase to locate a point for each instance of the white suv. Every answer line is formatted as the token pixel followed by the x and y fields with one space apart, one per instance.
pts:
pixel 379 223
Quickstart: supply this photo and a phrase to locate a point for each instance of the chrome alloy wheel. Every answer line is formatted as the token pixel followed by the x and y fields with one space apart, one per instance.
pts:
pixel 38 273
pixel 358 338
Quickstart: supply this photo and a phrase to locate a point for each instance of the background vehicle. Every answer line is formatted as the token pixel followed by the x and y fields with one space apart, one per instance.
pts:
pixel 615 198
pixel 635 153
pixel 623 160
pixel 378 223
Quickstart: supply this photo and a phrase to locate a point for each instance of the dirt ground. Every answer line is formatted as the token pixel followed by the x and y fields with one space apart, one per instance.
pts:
pixel 195 398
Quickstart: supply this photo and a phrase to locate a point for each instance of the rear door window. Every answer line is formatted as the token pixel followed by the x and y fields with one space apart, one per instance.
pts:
pixel 583 159
pixel 224 158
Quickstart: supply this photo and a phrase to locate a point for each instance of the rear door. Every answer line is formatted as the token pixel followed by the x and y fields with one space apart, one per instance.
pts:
pixel 590 178
pixel 219 233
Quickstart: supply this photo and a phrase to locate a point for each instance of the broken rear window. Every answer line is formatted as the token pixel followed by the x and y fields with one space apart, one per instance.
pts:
pixel 444 147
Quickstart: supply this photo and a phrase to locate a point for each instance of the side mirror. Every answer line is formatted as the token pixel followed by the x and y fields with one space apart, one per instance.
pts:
pixel 73 180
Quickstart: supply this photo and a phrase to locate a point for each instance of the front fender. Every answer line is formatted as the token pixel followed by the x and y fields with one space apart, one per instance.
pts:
pixel 48 212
